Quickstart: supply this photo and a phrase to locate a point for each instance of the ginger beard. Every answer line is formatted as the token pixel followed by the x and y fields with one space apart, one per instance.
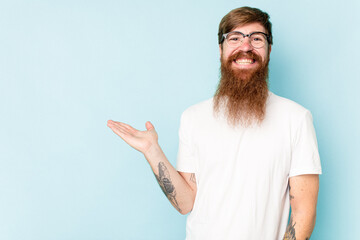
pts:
pixel 242 93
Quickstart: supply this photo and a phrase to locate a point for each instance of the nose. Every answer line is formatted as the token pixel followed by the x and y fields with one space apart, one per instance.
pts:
pixel 246 45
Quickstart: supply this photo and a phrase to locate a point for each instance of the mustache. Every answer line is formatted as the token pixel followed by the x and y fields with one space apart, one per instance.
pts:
pixel 241 54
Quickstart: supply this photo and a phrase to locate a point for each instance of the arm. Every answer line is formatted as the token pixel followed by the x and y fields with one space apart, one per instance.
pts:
pixel 177 186
pixel 303 192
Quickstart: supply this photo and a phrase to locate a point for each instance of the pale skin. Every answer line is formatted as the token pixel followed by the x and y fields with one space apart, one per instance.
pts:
pixel 303 199
pixel 180 187
pixel 264 52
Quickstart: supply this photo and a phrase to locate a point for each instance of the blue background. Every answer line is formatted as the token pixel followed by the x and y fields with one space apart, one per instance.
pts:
pixel 66 67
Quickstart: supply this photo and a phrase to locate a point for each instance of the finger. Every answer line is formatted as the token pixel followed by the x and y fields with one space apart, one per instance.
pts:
pixel 110 122
pixel 149 125
pixel 113 123
pixel 123 125
pixel 128 127
pixel 123 128
pixel 119 131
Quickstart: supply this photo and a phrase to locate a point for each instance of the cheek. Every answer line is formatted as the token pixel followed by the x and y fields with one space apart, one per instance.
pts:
pixel 264 55
pixel 225 55
pixel 267 53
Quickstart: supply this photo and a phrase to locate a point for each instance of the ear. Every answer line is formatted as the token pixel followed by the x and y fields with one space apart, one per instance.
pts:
pixel 270 49
pixel 220 49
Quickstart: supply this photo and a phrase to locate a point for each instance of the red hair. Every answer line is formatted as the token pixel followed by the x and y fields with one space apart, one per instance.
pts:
pixel 242 16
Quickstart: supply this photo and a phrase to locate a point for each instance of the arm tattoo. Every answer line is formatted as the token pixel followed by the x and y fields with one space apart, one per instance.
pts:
pixel 290 231
pixel 166 185
pixel 192 178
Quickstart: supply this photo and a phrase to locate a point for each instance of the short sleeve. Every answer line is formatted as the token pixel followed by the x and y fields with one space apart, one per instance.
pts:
pixel 305 155
pixel 186 157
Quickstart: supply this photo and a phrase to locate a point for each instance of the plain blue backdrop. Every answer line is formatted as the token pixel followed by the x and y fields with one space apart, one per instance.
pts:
pixel 66 67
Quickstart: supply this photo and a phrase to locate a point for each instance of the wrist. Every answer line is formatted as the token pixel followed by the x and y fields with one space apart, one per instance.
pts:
pixel 153 152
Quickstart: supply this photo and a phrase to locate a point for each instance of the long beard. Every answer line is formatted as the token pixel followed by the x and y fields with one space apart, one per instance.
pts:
pixel 241 94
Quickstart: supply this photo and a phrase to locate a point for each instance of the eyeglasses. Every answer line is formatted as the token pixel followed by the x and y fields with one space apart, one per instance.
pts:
pixel 236 39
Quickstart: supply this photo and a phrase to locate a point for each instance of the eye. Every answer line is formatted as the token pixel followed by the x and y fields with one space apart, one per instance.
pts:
pixel 258 38
pixel 234 39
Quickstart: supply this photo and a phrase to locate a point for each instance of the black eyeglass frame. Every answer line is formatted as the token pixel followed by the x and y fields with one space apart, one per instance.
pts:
pixel 246 35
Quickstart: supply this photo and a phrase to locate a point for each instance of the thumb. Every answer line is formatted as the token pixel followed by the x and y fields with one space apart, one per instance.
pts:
pixel 149 126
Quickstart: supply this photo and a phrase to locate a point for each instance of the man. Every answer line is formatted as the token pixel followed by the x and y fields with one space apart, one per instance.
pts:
pixel 245 155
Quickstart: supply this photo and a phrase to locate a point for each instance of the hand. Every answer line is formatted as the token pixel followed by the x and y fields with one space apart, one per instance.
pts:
pixel 140 140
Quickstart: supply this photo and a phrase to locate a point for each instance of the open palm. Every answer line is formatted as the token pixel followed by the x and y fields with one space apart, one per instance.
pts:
pixel 140 140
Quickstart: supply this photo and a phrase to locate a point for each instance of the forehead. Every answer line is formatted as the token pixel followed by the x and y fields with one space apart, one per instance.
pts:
pixel 250 27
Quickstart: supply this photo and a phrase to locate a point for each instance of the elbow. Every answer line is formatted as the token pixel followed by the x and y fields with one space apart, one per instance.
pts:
pixel 309 210
pixel 187 207
pixel 185 210
pixel 308 214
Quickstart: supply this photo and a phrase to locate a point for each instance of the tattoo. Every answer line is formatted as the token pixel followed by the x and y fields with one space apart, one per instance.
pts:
pixel 166 185
pixel 307 238
pixel 192 178
pixel 290 231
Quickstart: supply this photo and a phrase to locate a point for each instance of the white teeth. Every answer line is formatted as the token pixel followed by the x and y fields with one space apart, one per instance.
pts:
pixel 244 61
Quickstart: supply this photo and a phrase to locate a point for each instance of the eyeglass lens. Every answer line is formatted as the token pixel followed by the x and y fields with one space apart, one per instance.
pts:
pixel 257 40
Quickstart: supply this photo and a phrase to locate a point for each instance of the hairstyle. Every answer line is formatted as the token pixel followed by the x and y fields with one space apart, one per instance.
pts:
pixel 241 16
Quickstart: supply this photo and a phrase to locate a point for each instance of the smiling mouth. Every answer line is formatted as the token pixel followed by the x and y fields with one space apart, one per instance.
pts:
pixel 244 61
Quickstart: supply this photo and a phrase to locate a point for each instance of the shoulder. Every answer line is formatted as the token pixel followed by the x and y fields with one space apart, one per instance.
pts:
pixel 284 106
pixel 286 112
pixel 195 115
pixel 199 109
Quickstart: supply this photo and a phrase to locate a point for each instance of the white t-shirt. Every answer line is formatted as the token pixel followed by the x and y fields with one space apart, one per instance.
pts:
pixel 242 173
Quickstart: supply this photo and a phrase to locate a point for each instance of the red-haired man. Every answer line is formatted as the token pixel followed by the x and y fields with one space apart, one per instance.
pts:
pixel 245 155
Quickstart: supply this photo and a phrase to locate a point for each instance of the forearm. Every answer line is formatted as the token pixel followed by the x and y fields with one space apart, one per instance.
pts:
pixel 301 225
pixel 176 189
